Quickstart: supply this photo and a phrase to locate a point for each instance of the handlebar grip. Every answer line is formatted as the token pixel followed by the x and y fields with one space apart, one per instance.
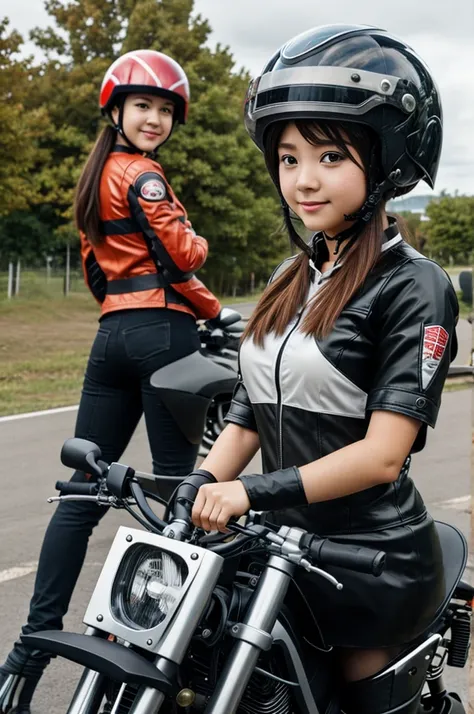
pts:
pixel 77 488
pixel 352 557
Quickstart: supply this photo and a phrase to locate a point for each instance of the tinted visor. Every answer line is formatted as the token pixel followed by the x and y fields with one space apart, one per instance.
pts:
pixel 312 93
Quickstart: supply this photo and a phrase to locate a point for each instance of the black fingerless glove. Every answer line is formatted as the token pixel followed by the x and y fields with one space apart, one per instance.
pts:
pixel 275 491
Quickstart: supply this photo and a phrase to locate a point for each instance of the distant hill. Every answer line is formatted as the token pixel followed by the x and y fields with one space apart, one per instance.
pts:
pixel 415 204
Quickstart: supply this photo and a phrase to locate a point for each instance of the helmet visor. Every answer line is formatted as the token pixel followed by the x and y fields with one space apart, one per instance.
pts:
pixel 307 88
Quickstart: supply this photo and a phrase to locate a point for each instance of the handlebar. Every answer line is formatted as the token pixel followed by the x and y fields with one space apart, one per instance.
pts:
pixel 150 515
pixel 351 557
pixel 321 551
pixel 77 488
pixel 121 485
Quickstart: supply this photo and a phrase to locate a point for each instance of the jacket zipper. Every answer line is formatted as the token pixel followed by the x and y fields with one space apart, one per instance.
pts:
pixel 278 390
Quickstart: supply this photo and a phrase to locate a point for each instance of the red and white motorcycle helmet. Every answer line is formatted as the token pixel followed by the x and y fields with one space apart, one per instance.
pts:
pixel 146 71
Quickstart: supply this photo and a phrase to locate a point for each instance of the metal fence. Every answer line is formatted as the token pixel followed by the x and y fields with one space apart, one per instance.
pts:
pixel 31 282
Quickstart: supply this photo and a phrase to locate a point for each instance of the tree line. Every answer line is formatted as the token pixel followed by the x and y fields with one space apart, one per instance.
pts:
pixel 50 118
pixel 448 234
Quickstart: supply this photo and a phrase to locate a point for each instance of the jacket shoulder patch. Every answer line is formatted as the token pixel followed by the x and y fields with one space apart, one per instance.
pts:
pixel 151 187
pixel 435 340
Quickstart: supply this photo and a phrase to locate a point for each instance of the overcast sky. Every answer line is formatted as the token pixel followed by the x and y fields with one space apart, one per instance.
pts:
pixel 442 33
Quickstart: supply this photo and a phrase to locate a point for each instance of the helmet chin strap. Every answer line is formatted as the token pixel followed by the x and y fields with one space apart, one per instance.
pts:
pixel 119 126
pixel 365 213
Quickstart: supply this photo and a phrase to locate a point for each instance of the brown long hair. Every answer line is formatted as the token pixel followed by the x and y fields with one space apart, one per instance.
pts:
pixel 87 197
pixel 283 297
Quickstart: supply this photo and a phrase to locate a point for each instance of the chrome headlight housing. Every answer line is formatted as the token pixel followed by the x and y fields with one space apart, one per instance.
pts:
pixel 152 591
pixel 147 586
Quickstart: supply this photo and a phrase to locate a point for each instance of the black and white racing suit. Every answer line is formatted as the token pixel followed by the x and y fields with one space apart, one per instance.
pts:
pixel 390 349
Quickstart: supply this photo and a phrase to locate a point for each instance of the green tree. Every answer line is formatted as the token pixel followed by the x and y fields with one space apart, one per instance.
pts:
pixel 450 230
pixel 212 164
pixel 19 129
pixel 413 229
pixel 17 226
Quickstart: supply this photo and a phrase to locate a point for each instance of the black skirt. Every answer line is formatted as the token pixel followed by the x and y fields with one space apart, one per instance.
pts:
pixel 390 610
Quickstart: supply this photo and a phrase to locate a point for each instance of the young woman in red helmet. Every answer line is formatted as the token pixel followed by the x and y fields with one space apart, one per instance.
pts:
pixel 139 254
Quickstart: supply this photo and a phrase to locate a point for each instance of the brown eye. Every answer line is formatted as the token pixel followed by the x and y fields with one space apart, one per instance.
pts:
pixel 332 158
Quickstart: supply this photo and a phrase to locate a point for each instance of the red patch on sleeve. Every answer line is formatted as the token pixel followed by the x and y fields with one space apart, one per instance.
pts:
pixel 434 342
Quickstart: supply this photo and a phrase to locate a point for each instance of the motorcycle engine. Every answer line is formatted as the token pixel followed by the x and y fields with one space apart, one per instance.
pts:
pixel 262 696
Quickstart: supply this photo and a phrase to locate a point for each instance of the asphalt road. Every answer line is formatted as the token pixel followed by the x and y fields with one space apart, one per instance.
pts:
pixel 29 466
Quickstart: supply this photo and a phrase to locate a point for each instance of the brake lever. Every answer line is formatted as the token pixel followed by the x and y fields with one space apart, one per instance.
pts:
pixel 99 499
pixel 313 569
pixel 236 527
pixel 256 530
pixel 233 527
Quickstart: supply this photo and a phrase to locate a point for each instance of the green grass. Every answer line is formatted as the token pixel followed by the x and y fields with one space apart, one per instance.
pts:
pixel 456 269
pixel 42 384
pixel 454 386
pixel 464 308
pixel 34 285
pixel 254 297
pixel 44 345
pixel 43 351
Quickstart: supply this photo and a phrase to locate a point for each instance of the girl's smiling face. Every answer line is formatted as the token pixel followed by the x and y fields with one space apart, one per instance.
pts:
pixel 147 120
pixel 319 182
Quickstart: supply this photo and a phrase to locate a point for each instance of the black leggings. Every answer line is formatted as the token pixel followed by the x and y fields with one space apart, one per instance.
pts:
pixel 130 345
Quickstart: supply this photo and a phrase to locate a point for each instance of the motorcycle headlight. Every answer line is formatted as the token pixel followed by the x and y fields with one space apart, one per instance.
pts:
pixel 147 586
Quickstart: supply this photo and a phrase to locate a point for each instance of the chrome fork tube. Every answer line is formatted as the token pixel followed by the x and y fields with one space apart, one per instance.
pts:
pixel 90 690
pixel 88 694
pixel 262 615
pixel 147 701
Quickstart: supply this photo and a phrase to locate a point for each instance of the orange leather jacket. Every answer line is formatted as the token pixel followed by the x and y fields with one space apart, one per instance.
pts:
pixel 150 249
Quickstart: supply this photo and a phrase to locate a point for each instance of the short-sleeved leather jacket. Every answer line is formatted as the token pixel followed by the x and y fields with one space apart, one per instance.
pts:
pixel 390 349
pixel 150 249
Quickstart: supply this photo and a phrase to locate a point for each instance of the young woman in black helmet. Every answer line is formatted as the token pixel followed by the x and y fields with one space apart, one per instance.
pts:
pixel 344 359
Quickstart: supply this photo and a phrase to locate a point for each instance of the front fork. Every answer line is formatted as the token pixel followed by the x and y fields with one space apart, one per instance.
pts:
pixel 253 635
pixel 91 689
pixel 90 692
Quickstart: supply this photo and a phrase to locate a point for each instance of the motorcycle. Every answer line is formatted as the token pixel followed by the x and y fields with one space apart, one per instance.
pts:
pixel 220 345
pixel 184 621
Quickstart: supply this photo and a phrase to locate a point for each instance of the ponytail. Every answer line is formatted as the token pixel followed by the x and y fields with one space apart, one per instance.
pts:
pixel 87 198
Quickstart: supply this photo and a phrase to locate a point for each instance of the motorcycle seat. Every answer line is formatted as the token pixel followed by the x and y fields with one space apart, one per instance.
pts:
pixel 454 553
pixel 454 550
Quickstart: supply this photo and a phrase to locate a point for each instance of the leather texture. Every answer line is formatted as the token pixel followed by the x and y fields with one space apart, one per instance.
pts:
pixel 390 349
pixel 278 490
pixel 137 203
pixel 373 359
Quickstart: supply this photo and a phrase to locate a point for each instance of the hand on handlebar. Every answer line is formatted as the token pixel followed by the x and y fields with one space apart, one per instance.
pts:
pixel 182 500
pixel 216 503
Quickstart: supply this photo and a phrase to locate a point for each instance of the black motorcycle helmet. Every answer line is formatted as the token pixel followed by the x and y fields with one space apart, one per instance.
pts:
pixel 359 74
